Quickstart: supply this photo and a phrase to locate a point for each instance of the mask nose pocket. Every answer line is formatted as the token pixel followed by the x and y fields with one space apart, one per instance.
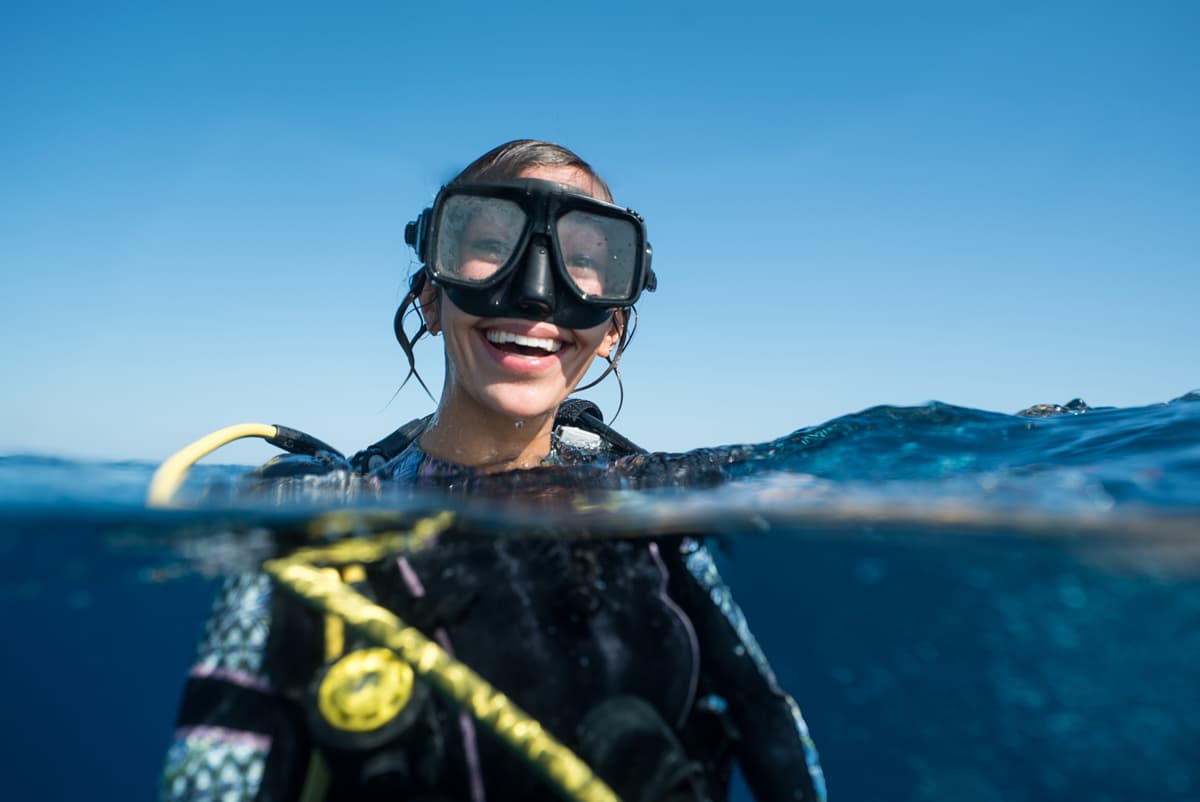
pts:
pixel 535 285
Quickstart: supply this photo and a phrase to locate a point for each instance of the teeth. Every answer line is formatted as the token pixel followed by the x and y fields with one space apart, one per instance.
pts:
pixel 498 337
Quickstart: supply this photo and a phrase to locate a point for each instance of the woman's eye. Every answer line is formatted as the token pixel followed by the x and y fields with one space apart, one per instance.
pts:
pixel 581 261
pixel 586 276
pixel 489 249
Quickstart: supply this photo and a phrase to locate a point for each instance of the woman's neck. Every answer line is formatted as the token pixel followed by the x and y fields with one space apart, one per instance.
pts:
pixel 465 433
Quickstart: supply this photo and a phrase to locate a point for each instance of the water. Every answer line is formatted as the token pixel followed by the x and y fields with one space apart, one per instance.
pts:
pixel 967 605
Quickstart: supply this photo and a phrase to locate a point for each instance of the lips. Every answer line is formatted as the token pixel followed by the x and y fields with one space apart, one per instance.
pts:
pixel 536 346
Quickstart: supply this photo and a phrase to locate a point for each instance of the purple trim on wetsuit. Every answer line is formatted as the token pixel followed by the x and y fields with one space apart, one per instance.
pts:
pixel 465 723
pixel 411 580
pixel 224 735
pixel 242 679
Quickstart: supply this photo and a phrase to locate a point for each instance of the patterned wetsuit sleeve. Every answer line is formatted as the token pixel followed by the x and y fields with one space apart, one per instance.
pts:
pixel 776 753
pixel 237 738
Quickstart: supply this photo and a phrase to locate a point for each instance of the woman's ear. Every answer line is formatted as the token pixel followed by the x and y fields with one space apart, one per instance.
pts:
pixel 616 328
pixel 431 307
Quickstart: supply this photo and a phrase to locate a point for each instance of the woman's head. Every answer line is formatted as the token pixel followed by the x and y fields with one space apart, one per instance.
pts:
pixel 523 356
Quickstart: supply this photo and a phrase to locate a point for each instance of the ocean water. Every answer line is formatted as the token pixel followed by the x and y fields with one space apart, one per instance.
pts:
pixel 967 605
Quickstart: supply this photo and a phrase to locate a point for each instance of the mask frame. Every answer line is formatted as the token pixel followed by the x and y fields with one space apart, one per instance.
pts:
pixel 534 282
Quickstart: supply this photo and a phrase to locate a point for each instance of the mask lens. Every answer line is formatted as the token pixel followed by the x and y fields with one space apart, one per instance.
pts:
pixel 600 254
pixel 476 237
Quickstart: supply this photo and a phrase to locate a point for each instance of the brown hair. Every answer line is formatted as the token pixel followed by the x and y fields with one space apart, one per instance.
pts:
pixel 505 163
pixel 510 159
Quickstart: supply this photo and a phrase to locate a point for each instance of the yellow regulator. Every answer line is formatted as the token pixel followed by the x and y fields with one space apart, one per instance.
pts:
pixel 365 690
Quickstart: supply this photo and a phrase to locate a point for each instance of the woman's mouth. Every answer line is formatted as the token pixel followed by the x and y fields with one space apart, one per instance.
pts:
pixel 520 344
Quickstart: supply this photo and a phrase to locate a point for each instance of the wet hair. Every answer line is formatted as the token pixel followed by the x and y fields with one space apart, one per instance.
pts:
pixel 505 163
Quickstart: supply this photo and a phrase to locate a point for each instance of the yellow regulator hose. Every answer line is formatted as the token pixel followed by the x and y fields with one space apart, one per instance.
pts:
pixel 522 734
pixel 170 475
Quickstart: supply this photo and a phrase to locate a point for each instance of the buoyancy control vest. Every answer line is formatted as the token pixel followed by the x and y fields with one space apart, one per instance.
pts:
pixel 411 747
pixel 414 745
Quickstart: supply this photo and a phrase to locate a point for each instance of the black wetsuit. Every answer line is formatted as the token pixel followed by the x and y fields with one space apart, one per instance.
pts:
pixel 559 627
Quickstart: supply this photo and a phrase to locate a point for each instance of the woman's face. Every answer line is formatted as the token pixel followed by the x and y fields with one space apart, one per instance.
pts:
pixel 517 368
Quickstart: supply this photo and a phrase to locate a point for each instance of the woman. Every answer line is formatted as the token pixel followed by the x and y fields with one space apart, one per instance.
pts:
pixel 631 652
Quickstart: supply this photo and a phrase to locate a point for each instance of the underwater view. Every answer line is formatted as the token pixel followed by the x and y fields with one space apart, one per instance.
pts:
pixel 966 605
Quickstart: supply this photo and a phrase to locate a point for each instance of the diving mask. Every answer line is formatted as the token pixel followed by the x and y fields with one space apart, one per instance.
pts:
pixel 533 249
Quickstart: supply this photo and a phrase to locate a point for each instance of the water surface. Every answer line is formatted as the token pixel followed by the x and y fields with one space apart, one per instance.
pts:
pixel 967 605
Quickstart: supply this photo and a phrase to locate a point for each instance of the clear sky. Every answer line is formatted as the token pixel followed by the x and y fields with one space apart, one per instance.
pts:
pixel 988 204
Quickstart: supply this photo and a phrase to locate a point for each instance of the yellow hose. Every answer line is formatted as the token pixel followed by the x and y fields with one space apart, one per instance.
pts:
pixel 522 734
pixel 170 475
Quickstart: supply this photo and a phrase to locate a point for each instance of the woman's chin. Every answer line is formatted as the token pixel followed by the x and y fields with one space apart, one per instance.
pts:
pixel 524 406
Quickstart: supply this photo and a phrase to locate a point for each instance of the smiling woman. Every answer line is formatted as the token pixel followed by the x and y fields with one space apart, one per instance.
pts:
pixel 530 272
pixel 516 363
pixel 632 653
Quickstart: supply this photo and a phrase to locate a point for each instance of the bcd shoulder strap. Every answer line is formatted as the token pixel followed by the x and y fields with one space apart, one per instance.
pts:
pixel 576 413
pixel 376 454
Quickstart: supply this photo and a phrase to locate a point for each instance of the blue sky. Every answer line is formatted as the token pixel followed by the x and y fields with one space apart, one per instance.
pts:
pixel 202 218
